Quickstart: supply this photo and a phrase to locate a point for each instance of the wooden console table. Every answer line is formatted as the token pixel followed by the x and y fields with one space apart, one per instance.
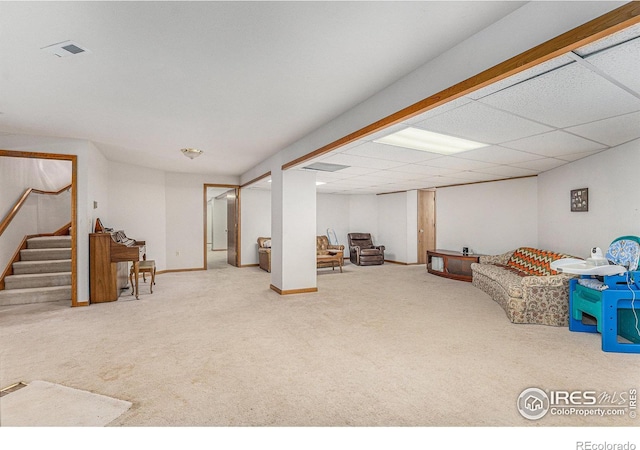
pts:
pixel 449 264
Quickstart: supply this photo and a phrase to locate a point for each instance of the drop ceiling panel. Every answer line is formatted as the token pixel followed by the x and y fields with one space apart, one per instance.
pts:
pixel 613 131
pixel 542 165
pixel 510 171
pixel 390 152
pixel 576 156
pixel 556 143
pixel 498 155
pixel 520 77
pixel 481 123
pixel 622 63
pixel 455 163
pixel 610 41
pixel 359 161
pixel 420 169
pixel 569 96
pixel 453 104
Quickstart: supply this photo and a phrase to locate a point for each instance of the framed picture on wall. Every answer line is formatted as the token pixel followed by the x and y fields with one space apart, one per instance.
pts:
pixel 580 200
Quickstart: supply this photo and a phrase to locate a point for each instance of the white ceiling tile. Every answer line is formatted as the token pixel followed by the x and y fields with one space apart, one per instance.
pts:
pixel 576 156
pixel 498 155
pixel 384 132
pixel 359 161
pixel 482 123
pixel 613 131
pixel 569 96
pixel 424 170
pixel 520 77
pixel 456 163
pixel 453 104
pixel 393 176
pixel 510 171
pixel 554 144
pixel 622 63
pixel 610 41
pixel 471 176
pixel 390 152
pixel 542 165
pixel 445 181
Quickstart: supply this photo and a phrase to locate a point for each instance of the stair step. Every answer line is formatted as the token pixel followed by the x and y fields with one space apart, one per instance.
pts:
pixel 24 267
pixel 40 254
pixel 33 280
pixel 49 242
pixel 34 295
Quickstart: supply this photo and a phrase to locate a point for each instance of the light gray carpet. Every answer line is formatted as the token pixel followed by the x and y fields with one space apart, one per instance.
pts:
pixel 377 346
pixel 44 404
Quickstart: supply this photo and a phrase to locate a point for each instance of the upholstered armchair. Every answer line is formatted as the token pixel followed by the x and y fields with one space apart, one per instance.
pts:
pixel 362 252
pixel 264 253
pixel 328 254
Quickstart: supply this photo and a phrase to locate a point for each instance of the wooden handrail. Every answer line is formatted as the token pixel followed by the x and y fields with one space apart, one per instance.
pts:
pixel 7 220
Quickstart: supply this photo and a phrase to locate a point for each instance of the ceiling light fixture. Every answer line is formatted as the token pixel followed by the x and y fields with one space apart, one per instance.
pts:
pixel 428 141
pixel 191 152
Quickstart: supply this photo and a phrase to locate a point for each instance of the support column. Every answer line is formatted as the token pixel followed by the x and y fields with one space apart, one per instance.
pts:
pixel 293 231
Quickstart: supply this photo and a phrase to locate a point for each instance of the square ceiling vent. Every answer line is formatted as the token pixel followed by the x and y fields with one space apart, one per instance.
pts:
pixel 66 48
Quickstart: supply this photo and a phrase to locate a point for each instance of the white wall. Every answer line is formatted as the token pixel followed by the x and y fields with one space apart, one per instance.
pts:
pixel 614 203
pixel 137 206
pixel 255 205
pixel 397 226
pixel 489 218
pixel 363 215
pixel 185 218
pixel 332 212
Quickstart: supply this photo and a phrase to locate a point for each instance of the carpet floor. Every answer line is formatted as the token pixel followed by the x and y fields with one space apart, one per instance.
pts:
pixel 377 346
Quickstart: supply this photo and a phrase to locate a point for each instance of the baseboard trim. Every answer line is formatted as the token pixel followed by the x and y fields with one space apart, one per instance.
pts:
pixel 250 265
pixel 293 291
pixel 80 304
pixel 179 270
pixel 403 263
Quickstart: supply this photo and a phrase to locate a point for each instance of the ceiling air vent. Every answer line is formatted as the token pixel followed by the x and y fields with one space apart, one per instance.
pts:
pixel 66 48
pixel 325 167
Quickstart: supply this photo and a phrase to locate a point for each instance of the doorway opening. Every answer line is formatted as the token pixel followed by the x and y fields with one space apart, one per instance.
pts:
pixel 27 174
pixel 221 217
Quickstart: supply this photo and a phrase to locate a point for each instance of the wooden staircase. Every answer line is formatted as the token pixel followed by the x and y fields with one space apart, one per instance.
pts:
pixel 42 274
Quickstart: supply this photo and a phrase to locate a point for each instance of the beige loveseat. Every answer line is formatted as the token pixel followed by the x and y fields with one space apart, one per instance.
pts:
pixel 522 282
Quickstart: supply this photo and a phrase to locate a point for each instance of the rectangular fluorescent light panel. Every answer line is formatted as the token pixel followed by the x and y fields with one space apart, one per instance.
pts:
pixel 428 141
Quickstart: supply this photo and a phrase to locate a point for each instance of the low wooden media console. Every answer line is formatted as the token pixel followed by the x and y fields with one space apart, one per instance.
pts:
pixel 449 264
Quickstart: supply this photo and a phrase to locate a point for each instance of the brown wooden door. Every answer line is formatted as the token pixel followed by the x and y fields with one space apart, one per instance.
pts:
pixel 426 224
pixel 232 227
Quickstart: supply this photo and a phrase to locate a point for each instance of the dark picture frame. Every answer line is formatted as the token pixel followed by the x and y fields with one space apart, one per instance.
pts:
pixel 580 200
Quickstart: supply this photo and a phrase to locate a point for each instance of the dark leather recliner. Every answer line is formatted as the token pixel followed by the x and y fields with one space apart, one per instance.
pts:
pixel 362 252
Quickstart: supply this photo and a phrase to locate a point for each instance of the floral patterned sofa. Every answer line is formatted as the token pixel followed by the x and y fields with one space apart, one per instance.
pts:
pixel 522 282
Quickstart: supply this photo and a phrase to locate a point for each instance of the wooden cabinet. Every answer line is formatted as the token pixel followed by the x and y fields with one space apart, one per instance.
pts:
pixel 450 264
